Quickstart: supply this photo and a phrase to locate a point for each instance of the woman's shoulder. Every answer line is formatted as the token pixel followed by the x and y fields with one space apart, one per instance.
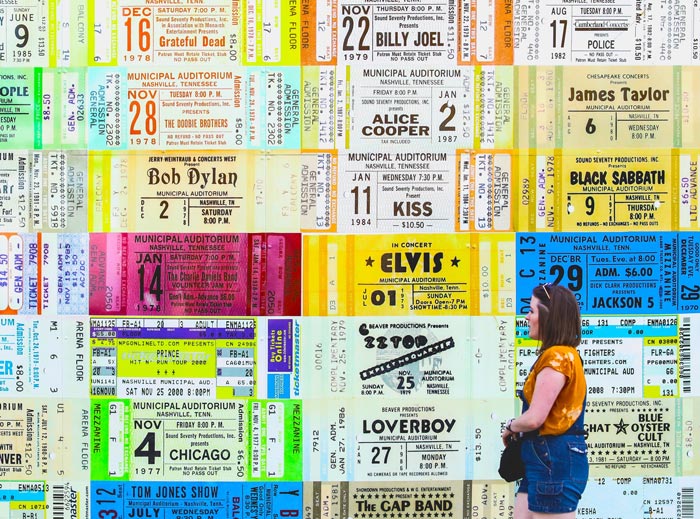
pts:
pixel 558 357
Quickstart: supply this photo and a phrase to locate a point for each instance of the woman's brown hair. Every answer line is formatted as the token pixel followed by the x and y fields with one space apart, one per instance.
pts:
pixel 559 319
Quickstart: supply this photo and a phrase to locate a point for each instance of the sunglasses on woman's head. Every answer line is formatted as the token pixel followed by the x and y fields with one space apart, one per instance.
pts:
pixel 544 287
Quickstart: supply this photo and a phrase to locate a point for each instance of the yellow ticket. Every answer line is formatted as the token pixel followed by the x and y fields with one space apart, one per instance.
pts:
pixel 611 107
pixel 196 191
pixel 688 199
pixel 625 190
pixel 408 275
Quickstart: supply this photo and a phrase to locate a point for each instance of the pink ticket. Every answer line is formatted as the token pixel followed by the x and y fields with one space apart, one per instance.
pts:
pixel 195 274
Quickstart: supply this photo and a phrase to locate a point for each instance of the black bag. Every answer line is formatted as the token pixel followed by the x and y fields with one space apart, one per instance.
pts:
pixel 512 467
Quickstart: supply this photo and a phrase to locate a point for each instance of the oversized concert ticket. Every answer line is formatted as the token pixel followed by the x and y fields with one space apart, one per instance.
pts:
pixel 205 32
pixel 41 499
pixel 24 34
pixel 635 190
pixel 203 500
pixel 656 497
pixel 142 108
pixel 640 356
pixel 401 500
pixel 194 274
pixel 387 275
pixel 44 439
pixel 44 357
pixel 197 191
pixel 43 274
pixel 20 89
pixel 415 107
pixel 624 274
pixel 388 357
pixel 187 358
pixel 46 191
pixel 179 440
pixel 593 32
pixel 385 32
pixel 384 440
pixel 651 437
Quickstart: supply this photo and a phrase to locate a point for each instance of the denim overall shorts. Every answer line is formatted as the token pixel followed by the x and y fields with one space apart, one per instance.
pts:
pixel 556 467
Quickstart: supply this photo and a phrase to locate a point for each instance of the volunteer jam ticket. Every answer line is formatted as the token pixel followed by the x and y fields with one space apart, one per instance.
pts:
pixel 41 499
pixel 420 275
pixel 44 191
pixel 178 440
pixel 616 273
pixel 43 274
pixel 194 358
pixel 44 439
pixel 194 274
pixel 215 500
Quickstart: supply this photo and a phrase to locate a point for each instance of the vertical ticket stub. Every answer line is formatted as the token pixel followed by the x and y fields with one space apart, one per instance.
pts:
pixel 640 357
pixel 24 33
pixel 194 274
pixel 625 274
pixel 410 192
pixel 180 440
pixel 172 33
pixel 345 500
pixel 43 357
pixel 323 97
pixel 43 274
pixel 273 32
pixel 64 105
pixel 45 440
pixel 384 32
pixel 620 191
pixel 108 110
pixel 173 358
pixel 215 500
pixel 386 357
pixel 485 32
pixel 388 275
pixel 201 192
pixel 40 499
pixel 69 41
pixel 485 198
pixel 418 107
pixel 20 90
pixel 689 359
pixel 492 357
pixel 642 437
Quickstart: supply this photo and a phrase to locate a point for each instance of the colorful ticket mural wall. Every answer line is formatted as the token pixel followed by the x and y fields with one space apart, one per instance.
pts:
pixel 272 259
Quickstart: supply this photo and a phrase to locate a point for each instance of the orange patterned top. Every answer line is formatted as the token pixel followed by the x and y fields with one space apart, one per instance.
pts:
pixel 569 403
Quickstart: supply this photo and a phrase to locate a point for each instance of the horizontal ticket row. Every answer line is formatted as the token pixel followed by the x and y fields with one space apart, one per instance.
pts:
pixel 173 274
pixel 353 107
pixel 668 497
pixel 320 439
pixel 211 32
pixel 350 192
pixel 314 358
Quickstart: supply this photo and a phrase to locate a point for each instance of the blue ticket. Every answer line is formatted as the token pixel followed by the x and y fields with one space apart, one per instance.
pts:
pixel 214 500
pixel 624 274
